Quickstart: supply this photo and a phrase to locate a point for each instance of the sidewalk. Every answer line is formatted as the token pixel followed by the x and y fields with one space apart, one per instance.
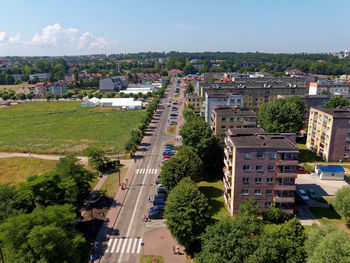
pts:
pixel 180 119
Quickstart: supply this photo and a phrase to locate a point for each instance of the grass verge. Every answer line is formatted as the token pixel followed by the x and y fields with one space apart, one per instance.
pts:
pixel 15 87
pixel 111 184
pixel 306 155
pixel 171 129
pixel 151 259
pixel 17 169
pixel 214 192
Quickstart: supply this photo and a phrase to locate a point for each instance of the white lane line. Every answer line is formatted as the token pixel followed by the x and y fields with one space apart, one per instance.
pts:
pixel 109 245
pixel 119 245
pixel 115 242
pixel 124 245
pixel 134 246
pixel 139 247
pixel 129 246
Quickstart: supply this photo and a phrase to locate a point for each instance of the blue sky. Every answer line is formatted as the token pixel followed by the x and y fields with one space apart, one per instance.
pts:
pixel 72 27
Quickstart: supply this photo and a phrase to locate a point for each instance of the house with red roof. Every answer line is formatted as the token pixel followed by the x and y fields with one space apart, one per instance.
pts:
pixel 175 72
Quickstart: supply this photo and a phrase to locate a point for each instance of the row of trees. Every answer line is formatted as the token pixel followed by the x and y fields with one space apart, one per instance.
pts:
pixel 37 217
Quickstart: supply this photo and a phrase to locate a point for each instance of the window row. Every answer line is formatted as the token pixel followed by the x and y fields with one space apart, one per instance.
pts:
pixel 258 180
pixel 259 168
pixel 257 192
pixel 260 155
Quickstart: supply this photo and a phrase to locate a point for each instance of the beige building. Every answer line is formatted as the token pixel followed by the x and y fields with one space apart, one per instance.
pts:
pixel 194 101
pixel 329 133
pixel 260 166
pixel 228 117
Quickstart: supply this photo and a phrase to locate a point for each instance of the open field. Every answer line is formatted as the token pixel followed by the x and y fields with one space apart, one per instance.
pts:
pixel 63 127
pixel 15 87
pixel 214 192
pixel 17 169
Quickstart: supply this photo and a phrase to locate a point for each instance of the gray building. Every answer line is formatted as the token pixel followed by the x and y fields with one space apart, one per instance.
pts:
pixel 116 84
pixel 216 99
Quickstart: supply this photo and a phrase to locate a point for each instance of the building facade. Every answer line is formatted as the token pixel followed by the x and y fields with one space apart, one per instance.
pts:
pixel 339 88
pixel 329 133
pixel 229 117
pixel 113 84
pixel 260 166
pixel 195 102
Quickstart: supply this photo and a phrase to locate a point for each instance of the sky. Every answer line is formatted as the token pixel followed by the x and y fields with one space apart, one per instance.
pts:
pixel 83 27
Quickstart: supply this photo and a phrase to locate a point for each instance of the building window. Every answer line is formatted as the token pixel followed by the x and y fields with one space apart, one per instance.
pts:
pixel 286 169
pixel 239 127
pixel 246 180
pixel 347 138
pixel 270 168
pixel 232 119
pixel 269 180
pixel 246 168
pixel 272 155
pixel 346 155
pixel 259 168
pixel 223 127
pixel 245 192
pixel 257 192
pixel 268 192
pixel 223 119
pixel 268 204
pixel 232 101
pixel 239 118
pixel 247 156
pixel 223 135
pixel 259 155
pixel 239 100
pixel 258 180
pixel 347 147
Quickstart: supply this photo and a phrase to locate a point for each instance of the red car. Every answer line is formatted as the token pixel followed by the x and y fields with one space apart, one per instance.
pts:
pixel 302 170
pixel 166 157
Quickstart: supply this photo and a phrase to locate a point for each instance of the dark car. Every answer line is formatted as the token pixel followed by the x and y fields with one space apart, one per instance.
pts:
pixel 170 146
pixel 173 115
pixel 160 190
pixel 158 202
pixel 160 196
pixel 158 179
pixel 155 214
pixel 157 208
pixel 168 152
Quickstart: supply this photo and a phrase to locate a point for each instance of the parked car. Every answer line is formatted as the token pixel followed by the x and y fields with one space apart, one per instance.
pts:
pixel 170 146
pixel 160 196
pixel 155 214
pixel 312 193
pixel 158 202
pixel 164 160
pixel 302 170
pixel 166 157
pixel 173 115
pixel 159 186
pixel 303 195
pixel 160 190
pixel 157 208
pixel 169 153
pixel 175 103
pixel 172 123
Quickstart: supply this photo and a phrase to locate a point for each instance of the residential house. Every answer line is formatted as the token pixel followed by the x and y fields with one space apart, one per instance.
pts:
pixel 175 72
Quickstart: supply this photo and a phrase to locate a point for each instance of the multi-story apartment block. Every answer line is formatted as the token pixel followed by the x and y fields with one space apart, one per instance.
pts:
pixel 261 166
pixel 229 117
pixel 214 99
pixel 341 88
pixel 195 102
pixel 329 133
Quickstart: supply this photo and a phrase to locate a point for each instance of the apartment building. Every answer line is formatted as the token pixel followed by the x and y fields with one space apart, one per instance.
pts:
pixel 334 87
pixel 261 166
pixel 329 133
pixel 195 102
pixel 115 84
pixel 215 99
pixel 229 117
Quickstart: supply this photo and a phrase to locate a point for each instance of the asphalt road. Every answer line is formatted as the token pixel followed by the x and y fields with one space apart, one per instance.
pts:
pixel 126 247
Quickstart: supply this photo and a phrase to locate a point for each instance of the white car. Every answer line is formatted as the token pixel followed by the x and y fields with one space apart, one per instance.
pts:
pixel 303 195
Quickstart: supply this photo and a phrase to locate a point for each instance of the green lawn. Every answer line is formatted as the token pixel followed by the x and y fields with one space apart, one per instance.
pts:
pixel 214 191
pixel 62 127
pixel 151 259
pixel 111 184
pixel 171 129
pixel 307 156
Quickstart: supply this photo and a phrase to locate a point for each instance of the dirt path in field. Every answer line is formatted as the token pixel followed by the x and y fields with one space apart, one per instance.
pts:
pixel 82 159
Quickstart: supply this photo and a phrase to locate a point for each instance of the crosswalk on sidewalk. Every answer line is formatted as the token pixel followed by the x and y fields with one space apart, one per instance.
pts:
pixel 124 245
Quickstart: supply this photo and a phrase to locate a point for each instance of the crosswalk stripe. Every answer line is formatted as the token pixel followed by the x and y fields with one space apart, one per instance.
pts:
pixel 139 246
pixel 129 246
pixel 109 245
pixel 155 171
pixel 134 246
pixel 124 245
pixel 119 245
pixel 137 171
pixel 115 242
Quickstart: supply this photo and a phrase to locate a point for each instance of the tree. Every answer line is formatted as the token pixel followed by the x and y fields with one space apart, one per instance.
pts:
pixel 282 115
pixel 325 92
pixel 342 202
pixel 99 161
pixel 326 244
pixel 189 88
pixel 188 114
pixel 7 201
pixel 193 131
pixel 80 96
pixel 187 212
pixel 275 215
pixel 45 235
pixel 90 95
pixel 30 96
pixel 337 101
pixel 57 97
pixel 185 163
pixel 21 96
pixel 189 68
pixel 48 96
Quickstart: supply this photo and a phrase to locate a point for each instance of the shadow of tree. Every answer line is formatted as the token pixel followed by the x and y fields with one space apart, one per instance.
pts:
pixel 211 193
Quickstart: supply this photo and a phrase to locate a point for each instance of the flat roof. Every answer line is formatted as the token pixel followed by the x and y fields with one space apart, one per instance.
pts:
pixel 225 109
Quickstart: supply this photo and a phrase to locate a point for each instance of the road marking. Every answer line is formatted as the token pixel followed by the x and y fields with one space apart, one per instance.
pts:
pixel 115 242
pixel 139 247
pixel 108 245
pixel 119 245
pixel 134 246
pixel 129 246
pixel 125 241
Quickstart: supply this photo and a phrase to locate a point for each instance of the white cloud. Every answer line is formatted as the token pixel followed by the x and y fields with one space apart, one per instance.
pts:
pixel 15 39
pixel 54 34
pixel 2 36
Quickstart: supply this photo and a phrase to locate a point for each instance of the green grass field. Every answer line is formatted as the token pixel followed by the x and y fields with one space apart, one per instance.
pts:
pixel 15 87
pixel 17 169
pixel 63 127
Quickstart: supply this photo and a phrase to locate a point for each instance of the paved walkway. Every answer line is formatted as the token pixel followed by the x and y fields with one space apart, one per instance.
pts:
pixel 180 119
pixel 160 242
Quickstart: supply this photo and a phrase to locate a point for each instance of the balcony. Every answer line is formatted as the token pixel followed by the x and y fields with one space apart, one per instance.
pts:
pixel 227 152
pixel 227 180
pixel 286 199
pixel 249 123
pixel 286 175
pixel 287 163
pixel 288 210
pixel 285 187
pixel 228 164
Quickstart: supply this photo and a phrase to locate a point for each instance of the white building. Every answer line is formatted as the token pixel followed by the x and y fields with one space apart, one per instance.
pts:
pixel 121 103
pixel 91 102
pixel 330 172
pixel 336 88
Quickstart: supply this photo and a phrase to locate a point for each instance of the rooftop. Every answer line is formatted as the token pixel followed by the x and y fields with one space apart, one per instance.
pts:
pixel 331 168
pixel 339 113
pixel 225 109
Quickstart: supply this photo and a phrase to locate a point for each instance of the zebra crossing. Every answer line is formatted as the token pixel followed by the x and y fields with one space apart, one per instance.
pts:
pixel 124 245
pixel 146 171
